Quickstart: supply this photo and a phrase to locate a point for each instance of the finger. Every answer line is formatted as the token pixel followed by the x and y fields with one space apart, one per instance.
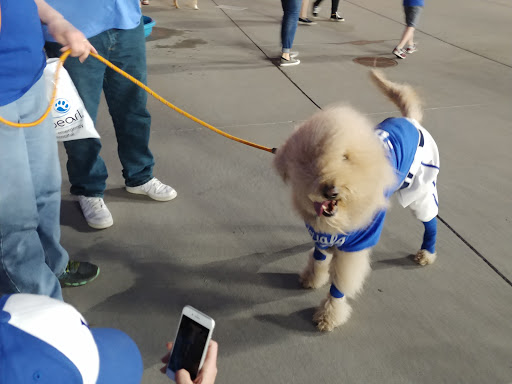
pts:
pixel 211 355
pixel 65 48
pixel 84 56
pixel 89 46
pixel 183 377
pixel 165 359
pixel 77 49
pixel 85 49
pixel 209 370
pixel 93 50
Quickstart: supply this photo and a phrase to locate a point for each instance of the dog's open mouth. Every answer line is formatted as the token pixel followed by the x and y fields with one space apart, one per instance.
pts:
pixel 327 208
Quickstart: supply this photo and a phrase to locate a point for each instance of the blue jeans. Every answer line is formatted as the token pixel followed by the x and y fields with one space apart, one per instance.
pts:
pixel 31 256
pixel 126 104
pixel 291 9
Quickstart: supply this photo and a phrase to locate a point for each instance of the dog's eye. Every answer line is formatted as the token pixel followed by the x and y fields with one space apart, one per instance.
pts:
pixel 345 157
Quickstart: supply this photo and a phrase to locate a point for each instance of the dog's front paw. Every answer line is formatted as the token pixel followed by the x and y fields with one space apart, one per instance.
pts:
pixel 316 273
pixel 424 257
pixel 309 278
pixel 332 313
pixel 196 7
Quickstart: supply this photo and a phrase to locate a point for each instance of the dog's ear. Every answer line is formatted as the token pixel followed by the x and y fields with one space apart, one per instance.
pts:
pixel 281 163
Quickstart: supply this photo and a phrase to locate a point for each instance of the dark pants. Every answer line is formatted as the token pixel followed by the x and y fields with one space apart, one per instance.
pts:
pixel 334 5
pixel 126 103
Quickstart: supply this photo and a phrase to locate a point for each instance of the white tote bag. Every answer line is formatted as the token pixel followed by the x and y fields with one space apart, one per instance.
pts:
pixel 70 118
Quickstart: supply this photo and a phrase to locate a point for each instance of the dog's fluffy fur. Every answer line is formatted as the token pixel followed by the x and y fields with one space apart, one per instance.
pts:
pixel 337 150
pixel 194 4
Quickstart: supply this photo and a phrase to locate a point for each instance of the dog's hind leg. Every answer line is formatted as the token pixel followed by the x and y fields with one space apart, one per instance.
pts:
pixel 316 273
pixel 176 4
pixel 195 4
pixel 349 271
pixel 427 254
pixel 424 208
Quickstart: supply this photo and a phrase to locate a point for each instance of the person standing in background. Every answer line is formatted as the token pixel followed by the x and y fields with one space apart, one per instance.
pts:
pixel 291 9
pixel 412 10
pixel 116 30
pixel 303 17
pixel 335 16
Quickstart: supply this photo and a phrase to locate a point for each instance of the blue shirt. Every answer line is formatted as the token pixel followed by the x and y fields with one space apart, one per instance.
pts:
pixel 353 241
pixel 22 58
pixel 95 16
pixel 400 138
pixel 414 3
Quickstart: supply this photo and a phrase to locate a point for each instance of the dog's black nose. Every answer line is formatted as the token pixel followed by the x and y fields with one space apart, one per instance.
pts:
pixel 330 192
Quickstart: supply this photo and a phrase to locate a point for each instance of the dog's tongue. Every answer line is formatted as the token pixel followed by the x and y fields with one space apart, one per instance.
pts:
pixel 320 207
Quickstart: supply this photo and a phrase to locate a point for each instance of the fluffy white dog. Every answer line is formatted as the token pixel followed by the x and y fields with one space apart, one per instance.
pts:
pixel 342 171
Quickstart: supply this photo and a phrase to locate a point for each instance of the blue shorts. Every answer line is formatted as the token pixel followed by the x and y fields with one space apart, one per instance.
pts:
pixel 412 15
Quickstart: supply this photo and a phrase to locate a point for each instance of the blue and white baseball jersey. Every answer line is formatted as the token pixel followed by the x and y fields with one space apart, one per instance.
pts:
pixel 414 154
pixel 352 241
pixel 415 158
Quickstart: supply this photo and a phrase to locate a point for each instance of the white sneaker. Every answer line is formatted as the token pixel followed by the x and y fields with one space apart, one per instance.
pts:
pixel 337 17
pixel 95 212
pixel 155 189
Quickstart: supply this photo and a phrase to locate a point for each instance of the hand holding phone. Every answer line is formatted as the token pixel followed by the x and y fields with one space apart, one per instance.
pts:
pixel 190 348
pixel 208 372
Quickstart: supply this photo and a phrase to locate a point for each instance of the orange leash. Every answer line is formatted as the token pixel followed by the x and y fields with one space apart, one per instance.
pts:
pixel 63 58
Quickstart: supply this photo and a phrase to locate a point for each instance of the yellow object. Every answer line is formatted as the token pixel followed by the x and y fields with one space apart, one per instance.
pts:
pixel 63 58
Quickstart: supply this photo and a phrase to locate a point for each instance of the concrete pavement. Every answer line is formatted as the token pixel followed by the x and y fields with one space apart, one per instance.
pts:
pixel 230 244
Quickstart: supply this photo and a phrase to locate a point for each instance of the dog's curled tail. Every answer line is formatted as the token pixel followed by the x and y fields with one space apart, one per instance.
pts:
pixel 402 95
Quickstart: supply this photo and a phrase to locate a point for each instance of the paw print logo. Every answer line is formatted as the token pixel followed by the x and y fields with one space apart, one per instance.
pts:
pixel 61 106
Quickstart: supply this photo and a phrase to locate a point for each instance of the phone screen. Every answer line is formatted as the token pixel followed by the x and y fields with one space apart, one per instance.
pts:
pixel 188 347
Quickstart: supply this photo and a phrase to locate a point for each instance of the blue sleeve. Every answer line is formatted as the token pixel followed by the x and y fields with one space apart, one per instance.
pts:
pixel 366 238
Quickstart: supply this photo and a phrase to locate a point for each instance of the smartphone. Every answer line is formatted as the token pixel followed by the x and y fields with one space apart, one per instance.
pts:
pixel 191 343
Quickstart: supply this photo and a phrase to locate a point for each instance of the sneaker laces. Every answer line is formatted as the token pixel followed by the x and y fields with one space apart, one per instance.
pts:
pixel 72 266
pixel 399 51
pixel 156 185
pixel 94 204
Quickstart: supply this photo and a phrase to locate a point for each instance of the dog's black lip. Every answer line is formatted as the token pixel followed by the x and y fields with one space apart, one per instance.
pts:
pixel 328 214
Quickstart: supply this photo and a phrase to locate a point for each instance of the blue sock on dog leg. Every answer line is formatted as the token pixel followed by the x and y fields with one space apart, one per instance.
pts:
pixel 429 237
pixel 335 292
pixel 319 255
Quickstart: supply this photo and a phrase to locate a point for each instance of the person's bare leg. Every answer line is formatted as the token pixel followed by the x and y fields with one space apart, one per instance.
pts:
pixel 304 9
pixel 407 36
pixel 410 43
